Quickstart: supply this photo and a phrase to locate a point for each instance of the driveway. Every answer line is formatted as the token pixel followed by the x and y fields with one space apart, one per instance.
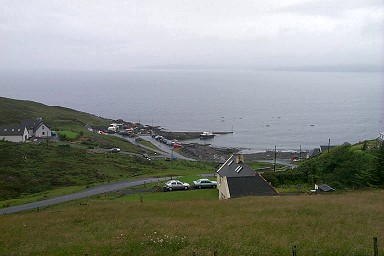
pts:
pixel 86 193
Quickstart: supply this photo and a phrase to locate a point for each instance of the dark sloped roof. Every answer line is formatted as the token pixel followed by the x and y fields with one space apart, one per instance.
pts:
pixel 324 148
pixel 325 188
pixel 248 186
pixel 233 169
pixel 11 130
pixel 314 152
pixel 30 124
pixel 33 124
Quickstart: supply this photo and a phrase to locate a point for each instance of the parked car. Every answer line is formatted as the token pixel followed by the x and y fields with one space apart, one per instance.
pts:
pixel 175 185
pixel 114 150
pixel 204 183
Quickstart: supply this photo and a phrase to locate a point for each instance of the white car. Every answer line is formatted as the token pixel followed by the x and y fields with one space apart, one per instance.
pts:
pixel 204 183
pixel 114 150
pixel 175 185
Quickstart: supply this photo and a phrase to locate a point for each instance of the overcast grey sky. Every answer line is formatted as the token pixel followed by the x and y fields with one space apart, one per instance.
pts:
pixel 121 34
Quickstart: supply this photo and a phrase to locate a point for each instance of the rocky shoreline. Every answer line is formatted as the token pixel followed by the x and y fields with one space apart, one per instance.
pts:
pixel 207 152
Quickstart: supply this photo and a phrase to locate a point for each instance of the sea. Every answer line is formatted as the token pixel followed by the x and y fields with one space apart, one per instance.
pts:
pixel 263 109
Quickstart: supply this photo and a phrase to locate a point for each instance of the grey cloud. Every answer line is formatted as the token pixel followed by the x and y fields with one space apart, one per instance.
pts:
pixel 120 34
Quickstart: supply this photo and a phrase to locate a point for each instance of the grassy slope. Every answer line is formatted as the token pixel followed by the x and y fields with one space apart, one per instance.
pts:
pixel 332 224
pixel 60 118
pixel 31 168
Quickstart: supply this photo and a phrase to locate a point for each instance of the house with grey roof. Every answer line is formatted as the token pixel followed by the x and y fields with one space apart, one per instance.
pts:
pixel 325 148
pixel 236 179
pixel 314 152
pixel 14 133
pixel 27 129
pixel 37 128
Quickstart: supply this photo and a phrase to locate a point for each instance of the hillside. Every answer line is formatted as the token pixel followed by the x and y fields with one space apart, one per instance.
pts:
pixel 64 121
pixel 59 118
pixel 34 168
pixel 344 167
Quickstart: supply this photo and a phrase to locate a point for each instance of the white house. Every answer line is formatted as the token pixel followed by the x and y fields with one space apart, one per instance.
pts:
pixel 14 133
pixel 36 128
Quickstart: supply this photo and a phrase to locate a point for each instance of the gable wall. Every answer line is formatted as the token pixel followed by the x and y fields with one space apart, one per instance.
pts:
pixel 222 186
pixel 43 132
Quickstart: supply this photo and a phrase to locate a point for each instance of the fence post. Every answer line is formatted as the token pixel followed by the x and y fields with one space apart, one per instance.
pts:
pixel 294 250
pixel 375 247
pixel 215 253
pixel 194 253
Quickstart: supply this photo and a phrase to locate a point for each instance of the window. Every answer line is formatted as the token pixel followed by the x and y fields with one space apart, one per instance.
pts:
pixel 42 127
pixel 238 169
pixel 230 163
pixel 43 133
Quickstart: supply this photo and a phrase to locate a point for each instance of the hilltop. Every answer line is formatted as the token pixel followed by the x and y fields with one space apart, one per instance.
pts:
pixel 12 111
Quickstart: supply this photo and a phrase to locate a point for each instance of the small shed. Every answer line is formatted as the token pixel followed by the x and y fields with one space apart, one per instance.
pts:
pixel 324 188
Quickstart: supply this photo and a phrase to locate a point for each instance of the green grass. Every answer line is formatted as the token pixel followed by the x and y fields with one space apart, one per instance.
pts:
pixel 69 134
pixel 28 198
pixel 147 143
pixel 29 168
pixel 328 224
pixel 370 144
pixel 58 118
pixel 63 120
pixel 256 165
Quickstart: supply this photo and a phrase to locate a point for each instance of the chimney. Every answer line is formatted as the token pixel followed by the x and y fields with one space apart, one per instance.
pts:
pixel 239 159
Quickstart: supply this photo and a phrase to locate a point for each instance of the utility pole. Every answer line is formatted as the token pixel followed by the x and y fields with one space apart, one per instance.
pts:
pixel 329 144
pixel 300 154
pixel 274 162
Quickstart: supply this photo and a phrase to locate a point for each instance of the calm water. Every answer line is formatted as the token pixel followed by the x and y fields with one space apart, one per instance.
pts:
pixel 263 108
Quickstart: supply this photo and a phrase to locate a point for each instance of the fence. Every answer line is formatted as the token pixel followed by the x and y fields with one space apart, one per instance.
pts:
pixel 295 250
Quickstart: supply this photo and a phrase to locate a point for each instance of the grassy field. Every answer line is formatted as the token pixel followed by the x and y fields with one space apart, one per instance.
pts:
pixel 328 224
pixel 59 118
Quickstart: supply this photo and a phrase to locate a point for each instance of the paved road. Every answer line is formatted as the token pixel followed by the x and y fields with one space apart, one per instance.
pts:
pixel 165 150
pixel 86 193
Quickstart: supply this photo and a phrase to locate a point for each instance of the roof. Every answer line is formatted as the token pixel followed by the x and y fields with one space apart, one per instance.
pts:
pixel 11 130
pixel 324 148
pixel 235 168
pixel 248 186
pixel 32 123
pixel 314 152
pixel 325 188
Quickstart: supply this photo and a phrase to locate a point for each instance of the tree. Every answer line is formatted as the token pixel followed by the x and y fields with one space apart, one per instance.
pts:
pixel 378 172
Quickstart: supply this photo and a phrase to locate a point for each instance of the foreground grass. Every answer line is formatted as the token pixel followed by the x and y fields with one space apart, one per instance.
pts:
pixel 332 224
